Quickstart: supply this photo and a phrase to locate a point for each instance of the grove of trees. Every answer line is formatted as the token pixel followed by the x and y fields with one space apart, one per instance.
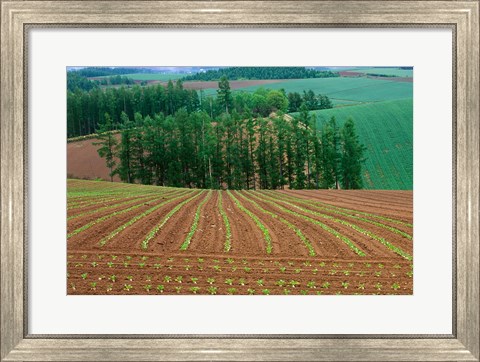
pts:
pixel 86 109
pixel 239 73
pixel 230 141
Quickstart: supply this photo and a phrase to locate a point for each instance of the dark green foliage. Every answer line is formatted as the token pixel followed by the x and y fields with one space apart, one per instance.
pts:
pixel 351 157
pixel 329 155
pixel 224 95
pixel 239 73
pixel 232 147
pixel 108 143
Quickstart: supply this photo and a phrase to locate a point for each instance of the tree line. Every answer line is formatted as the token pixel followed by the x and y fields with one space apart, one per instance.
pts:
pixel 234 150
pixel 86 109
pixel 240 73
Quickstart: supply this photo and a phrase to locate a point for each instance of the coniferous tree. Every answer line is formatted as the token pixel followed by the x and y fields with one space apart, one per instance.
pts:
pixel 125 170
pixel 108 143
pixel 351 157
pixel 224 95
pixel 330 156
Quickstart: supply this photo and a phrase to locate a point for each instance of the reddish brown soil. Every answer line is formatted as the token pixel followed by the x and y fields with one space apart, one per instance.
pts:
pixel 394 79
pixel 247 238
pixel 91 237
pixel 351 74
pixel 262 275
pixel 393 204
pixel 391 79
pixel 84 162
pixel 211 230
pixel 247 264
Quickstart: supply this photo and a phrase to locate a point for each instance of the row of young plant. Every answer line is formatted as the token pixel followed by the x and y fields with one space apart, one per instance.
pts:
pixel 262 227
pixel 244 271
pixel 230 285
pixel 194 226
pixel 357 228
pixel 136 218
pixel 176 195
pixel 203 263
pixel 298 232
pixel 151 234
pixel 349 211
pixel 325 227
pixel 137 200
pixel 95 197
pixel 226 222
pixel 351 214
pixel 274 202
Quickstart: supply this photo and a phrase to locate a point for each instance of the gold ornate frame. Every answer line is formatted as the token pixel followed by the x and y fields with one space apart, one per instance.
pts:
pixel 18 16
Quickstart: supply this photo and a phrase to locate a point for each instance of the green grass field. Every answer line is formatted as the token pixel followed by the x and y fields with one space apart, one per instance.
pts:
pixel 152 76
pixel 342 90
pixel 386 129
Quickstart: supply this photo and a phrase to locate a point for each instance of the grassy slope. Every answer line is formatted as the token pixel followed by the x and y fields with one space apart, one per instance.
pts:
pixel 341 90
pixel 386 129
pixel 151 76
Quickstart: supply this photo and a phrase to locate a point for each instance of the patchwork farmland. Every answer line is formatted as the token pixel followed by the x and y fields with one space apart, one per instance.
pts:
pixel 136 239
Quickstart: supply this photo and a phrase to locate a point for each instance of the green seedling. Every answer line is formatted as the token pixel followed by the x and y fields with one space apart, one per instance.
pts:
pixel 194 290
pixel 281 283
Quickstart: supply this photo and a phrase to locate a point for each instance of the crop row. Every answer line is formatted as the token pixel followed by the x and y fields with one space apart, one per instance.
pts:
pixel 151 234
pixel 360 230
pixel 133 220
pixel 287 210
pixel 118 212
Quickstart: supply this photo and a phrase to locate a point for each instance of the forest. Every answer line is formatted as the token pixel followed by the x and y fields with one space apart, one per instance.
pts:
pixel 86 109
pixel 230 145
pixel 239 73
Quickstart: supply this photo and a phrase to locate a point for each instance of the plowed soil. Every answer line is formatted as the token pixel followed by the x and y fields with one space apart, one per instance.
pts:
pixel 378 223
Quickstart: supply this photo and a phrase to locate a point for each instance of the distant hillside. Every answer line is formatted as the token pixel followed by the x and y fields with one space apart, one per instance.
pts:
pixel 239 73
pixel 386 129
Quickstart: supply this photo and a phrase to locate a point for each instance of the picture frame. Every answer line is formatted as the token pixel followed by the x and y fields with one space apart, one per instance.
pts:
pixel 18 16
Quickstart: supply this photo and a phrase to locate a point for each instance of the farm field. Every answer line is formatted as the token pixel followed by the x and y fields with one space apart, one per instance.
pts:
pixel 342 89
pixel 396 72
pixel 163 77
pixel 135 239
pixel 386 129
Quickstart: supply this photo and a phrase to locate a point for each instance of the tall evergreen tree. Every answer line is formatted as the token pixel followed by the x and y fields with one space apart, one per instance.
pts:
pixel 352 152
pixel 108 143
pixel 224 95
pixel 125 170
pixel 330 155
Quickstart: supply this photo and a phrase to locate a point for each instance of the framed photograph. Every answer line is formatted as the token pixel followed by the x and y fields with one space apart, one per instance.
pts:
pixel 268 180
